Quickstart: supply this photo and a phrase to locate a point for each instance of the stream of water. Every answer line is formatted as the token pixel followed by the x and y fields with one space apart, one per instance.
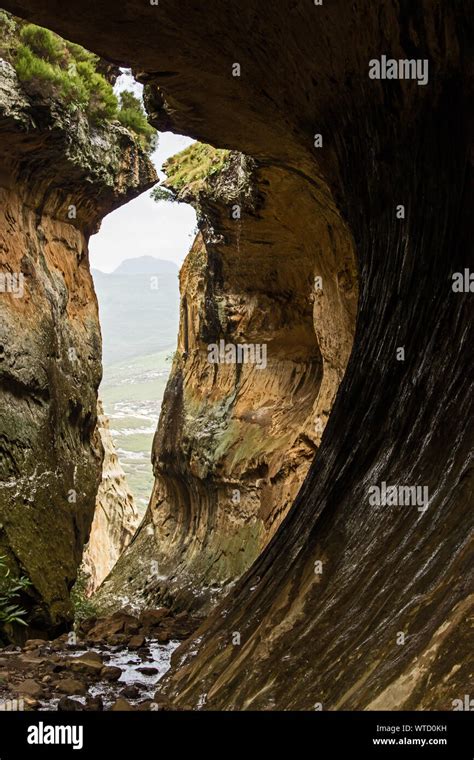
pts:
pixel 129 662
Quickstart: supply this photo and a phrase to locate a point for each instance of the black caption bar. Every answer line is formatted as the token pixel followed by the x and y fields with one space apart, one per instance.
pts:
pixel 125 735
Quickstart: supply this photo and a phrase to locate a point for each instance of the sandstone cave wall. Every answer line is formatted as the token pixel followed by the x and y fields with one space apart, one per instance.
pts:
pixel 50 343
pixel 235 441
pixel 116 517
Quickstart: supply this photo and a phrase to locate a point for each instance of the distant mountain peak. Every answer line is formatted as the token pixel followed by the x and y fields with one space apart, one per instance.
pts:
pixel 146 265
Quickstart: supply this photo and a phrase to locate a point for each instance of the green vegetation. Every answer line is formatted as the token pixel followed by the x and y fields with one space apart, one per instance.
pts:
pixel 190 169
pixel 161 193
pixel 83 607
pixel 10 590
pixel 8 35
pixel 132 115
pixel 50 66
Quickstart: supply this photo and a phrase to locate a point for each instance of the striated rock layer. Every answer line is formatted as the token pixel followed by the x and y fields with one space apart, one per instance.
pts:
pixel 58 178
pixel 236 439
pixel 116 517
pixel 328 634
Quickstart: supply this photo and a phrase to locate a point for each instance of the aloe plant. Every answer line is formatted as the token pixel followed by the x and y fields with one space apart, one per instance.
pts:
pixel 10 589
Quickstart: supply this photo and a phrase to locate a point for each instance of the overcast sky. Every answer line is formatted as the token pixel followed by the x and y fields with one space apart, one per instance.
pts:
pixel 144 227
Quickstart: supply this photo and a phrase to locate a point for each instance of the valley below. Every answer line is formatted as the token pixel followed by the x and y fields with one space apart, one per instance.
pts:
pixel 132 392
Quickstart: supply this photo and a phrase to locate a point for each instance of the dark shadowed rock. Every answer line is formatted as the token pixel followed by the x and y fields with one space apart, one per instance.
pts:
pixel 66 704
pixel 121 705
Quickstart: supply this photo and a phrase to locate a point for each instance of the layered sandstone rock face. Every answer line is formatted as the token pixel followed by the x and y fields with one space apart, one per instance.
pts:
pixel 237 435
pixel 58 178
pixel 116 516
pixel 320 612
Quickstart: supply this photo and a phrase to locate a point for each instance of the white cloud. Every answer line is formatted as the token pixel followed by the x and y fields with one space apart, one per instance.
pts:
pixel 143 227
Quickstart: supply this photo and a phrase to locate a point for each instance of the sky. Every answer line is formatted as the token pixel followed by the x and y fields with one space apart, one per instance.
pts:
pixel 144 227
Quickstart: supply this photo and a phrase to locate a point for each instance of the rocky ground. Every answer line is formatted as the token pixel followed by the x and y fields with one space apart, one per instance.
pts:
pixel 112 663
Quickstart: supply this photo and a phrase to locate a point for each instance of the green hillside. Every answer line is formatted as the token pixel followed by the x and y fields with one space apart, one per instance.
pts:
pixel 139 330
pixel 138 313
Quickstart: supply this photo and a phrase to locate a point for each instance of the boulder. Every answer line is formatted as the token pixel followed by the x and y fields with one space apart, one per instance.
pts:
pixel 30 688
pixel 71 686
pixel 110 673
pixel 119 622
pixel 121 705
pixel 148 671
pixel 136 642
pixel 94 704
pixel 131 691
pixel 66 704
pixel 89 663
pixel 152 618
pixel 34 644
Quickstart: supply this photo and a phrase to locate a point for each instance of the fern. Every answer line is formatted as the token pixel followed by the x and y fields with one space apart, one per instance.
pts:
pixel 10 589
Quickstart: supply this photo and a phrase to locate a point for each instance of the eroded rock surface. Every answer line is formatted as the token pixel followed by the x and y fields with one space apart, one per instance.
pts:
pixel 59 177
pixel 236 439
pixel 116 517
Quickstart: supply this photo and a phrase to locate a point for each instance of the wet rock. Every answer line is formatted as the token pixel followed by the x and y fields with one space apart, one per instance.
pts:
pixel 87 625
pixel 30 688
pixel 162 703
pixel 119 639
pixel 71 686
pixel 90 664
pixel 34 644
pixel 136 642
pixel 152 618
pixel 58 645
pixel 148 671
pixel 30 703
pixel 131 691
pixel 30 659
pixel 119 622
pixel 110 673
pixel 94 704
pixel 121 705
pixel 66 704
pixel 145 706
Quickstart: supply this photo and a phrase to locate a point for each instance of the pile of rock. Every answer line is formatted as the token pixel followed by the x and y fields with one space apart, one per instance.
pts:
pixel 50 673
pixel 123 629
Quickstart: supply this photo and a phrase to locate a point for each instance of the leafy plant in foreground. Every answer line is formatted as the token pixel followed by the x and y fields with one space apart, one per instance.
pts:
pixel 10 589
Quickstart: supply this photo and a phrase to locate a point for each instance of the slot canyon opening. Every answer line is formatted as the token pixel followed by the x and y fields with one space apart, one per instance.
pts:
pixel 267 318
pixel 135 259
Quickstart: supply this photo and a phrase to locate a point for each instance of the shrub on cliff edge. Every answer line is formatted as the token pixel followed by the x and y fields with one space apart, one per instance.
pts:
pixel 190 169
pixel 50 66
pixel 132 115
